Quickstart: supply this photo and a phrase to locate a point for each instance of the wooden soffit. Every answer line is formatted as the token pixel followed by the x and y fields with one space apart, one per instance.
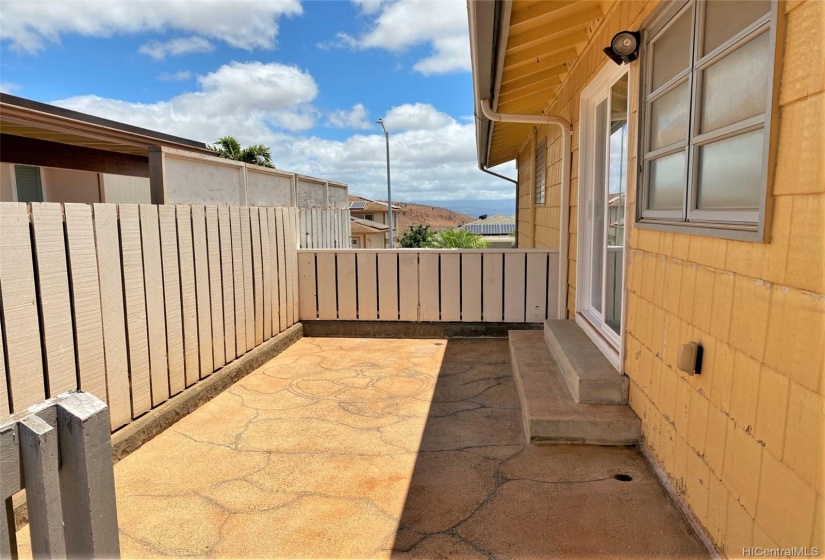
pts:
pixel 544 40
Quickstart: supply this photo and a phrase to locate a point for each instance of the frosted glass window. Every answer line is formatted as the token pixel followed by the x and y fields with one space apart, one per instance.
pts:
pixel 669 117
pixel 671 50
pixel 667 182
pixel 730 173
pixel 736 87
pixel 724 19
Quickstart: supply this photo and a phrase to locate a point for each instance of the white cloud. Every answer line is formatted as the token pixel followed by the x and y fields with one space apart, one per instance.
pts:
pixel 355 119
pixel 240 99
pixel 416 116
pixel 180 76
pixel 175 47
pixel 368 6
pixel 8 87
pixel 29 26
pixel 404 24
pixel 433 156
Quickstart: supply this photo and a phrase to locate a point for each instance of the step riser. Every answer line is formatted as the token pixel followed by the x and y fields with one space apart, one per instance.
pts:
pixel 593 391
pixel 559 428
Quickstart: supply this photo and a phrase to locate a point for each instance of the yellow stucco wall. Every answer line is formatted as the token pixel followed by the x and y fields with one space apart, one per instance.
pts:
pixel 743 441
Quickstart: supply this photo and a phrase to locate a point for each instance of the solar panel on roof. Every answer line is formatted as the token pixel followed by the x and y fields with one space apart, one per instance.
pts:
pixel 360 205
pixel 490 229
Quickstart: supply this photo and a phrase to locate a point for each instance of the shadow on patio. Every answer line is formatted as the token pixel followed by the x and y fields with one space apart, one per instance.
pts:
pixel 356 448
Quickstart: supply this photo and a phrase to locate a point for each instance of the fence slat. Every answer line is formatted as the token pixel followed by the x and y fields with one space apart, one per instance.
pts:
pixel 388 286
pixel 514 287
pixel 186 256
pixel 23 356
pixel 227 275
pixel 450 287
pixel 172 298
pixel 202 291
pixel 237 273
pixel 307 276
pixel 471 287
pixel 257 273
pixel 86 297
pixel 493 282
pixel 135 299
pixel 87 481
pixel 114 318
pixel 292 255
pixel 266 262
pixel 155 314
pixel 282 272
pixel 408 286
pixel 326 278
pixel 275 283
pixel 55 306
pixel 367 286
pixel 248 279
pixel 428 284
pixel 38 453
pixel 536 296
pixel 347 295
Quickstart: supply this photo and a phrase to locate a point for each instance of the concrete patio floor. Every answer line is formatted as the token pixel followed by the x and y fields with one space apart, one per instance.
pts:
pixel 377 448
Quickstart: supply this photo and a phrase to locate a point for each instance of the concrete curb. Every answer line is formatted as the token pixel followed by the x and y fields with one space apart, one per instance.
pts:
pixel 398 329
pixel 132 436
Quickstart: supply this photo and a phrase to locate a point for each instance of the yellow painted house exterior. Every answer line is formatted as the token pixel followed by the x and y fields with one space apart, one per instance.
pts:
pixel 742 443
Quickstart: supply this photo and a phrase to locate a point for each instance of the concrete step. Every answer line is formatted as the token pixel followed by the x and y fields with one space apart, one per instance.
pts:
pixel 590 377
pixel 549 412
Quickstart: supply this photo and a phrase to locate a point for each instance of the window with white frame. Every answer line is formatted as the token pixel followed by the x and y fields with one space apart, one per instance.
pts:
pixel 541 173
pixel 707 93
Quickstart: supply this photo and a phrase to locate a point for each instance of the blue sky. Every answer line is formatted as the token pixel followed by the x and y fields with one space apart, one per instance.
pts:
pixel 307 78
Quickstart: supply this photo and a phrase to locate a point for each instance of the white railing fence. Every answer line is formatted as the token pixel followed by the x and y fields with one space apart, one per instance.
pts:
pixel 324 228
pixel 459 285
pixel 60 452
pixel 135 303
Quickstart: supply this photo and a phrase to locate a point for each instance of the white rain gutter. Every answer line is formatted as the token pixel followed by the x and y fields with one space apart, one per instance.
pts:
pixel 567 139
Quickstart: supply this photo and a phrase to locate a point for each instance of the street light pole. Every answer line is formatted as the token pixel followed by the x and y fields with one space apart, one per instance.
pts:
pixel 389 189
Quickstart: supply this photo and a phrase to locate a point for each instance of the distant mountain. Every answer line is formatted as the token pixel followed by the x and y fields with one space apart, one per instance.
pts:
pixel 436 217
pixel 476 208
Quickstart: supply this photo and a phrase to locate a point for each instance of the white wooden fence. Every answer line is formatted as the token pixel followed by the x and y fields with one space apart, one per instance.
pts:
pixel 135 303
pixel 60 452
pixel 324 228
pixel 512 285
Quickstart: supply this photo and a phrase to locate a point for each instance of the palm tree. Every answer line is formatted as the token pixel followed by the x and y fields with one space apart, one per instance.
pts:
pixel 456 238
pixel 228 147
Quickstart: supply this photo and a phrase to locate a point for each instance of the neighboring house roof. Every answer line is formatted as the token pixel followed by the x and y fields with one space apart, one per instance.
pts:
pixel 498 224
pixel 40 121
pixel 520 53
pixel 359 225
pixel 362 204
pixel 615 199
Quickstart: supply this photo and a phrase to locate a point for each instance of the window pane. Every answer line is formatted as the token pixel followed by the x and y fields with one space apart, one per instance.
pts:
pixel 29 188
pixel 724 19
pixel 730 172
pixel 669 117
pixel 667 182
pixel 736 87
pixel 541 173
pixel 671 50
pixel 597 205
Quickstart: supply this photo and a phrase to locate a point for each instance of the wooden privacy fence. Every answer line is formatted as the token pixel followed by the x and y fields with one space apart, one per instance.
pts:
pixel 135 303
pixel 60 452
pixel 324 228
pixel 512 285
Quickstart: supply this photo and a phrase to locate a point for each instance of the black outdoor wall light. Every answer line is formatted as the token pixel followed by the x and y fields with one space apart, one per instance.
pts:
pixel 624 47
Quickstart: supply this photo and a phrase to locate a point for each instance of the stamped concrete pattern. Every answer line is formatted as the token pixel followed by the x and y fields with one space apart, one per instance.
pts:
pixel 384 448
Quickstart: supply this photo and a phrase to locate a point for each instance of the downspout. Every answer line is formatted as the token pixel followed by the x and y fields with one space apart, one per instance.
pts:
pixel 506 179
pixel 567 139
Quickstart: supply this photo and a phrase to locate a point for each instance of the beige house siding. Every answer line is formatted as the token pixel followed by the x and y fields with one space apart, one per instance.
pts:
pixel 69 185
pixel 123 189
pixel 743 441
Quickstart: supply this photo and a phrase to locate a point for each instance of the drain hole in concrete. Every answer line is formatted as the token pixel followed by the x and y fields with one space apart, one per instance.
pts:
pixel 623 477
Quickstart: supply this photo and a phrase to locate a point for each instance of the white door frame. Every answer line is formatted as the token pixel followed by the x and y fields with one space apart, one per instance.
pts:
pixel 613 347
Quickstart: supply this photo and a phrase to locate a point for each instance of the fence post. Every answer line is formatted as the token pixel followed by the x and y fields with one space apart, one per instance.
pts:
pixel 87 483
pixel 38 451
